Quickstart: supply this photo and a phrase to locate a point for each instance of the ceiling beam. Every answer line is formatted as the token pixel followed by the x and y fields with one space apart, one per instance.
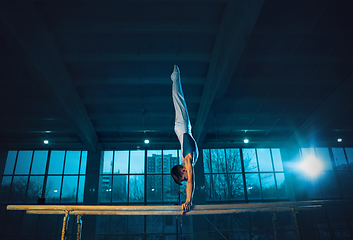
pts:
pixel 136 81
pixel 79 58
pixel 236 25
pixel 131 28
pixel 29 38
pixel 333 108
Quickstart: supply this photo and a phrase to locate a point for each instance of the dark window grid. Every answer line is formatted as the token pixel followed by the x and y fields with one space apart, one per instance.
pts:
pixel 274 173
pixel 145 232
pixel 243 173
pixel 141 174
pixel 325 171
pixel 336 171
pixel 45 175
pixel 258 173
pixel 349 165
pixel 20 175
pixel 65 175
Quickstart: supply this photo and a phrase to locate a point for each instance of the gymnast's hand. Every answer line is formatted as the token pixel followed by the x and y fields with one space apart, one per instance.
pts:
pixel 186 207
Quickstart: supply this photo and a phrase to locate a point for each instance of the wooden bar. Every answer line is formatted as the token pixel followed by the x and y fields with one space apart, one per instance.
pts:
pixel 165 208
pixel 161 212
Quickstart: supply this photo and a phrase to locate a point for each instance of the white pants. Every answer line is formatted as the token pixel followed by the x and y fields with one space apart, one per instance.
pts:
pixel 182 120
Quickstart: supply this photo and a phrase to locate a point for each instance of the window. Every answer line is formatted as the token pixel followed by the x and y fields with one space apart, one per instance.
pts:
pixel 243 174
pixel 138 176
pixel 343 160
pixel 57 176
pixel 324 184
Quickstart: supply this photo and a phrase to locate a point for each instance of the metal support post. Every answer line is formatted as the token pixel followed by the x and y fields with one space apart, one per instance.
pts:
pixel 274 223
pixel 294 214
pixel 79 227
pixel 64 228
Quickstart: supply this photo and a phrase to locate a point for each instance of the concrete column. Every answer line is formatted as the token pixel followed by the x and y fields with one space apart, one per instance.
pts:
pixel 91 193
pixel 199 222
pixel 3 156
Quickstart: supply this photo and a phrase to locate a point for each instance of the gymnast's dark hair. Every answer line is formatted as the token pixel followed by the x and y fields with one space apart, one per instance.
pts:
pixel 176 173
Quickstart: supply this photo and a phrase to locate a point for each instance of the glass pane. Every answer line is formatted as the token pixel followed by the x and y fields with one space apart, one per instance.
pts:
pixel 18 189
pixel 136 188
pixel 268 186
pixel 253 186
pixel 349 152
pixel 307 152
pixel 106 188
pixel 81 189
pixel 120 188
pixel 154 225
pixel 154 161
pixel 281 186
pixel 346 181
pixel 324 156
pixel 121 159
pixel 23 162
pixel 329 184
pixel 314 189
pixel 170 159
pixel 206 160
pixel 83 162
pixel 170 189
pixel 69 190
pixel 118 225
pixel 277 159
pixel 53 187
pixel 233 160
pixel 5 188
pixel 39 162
pixel 250 163
pixel 181 159
pixel 236 187
pixel 135 225
pixel 137 161
pixel 208 187
pixel 220 187
pixel 35 188
pixel 56 162
pixel 29 226
pixel 107 161
pixel 10 162
pixel 154 188
pixel 339 158
pixel 265 163
pixel 218 160
pixel 72 162
pixel 103 223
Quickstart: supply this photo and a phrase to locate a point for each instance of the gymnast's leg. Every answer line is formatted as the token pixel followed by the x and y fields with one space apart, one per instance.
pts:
pixel 182 120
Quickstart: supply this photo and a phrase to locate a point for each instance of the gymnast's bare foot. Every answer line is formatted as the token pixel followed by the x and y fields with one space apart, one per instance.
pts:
pixel 175 73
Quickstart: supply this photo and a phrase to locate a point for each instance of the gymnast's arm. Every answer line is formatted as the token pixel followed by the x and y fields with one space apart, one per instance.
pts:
pixel 190 184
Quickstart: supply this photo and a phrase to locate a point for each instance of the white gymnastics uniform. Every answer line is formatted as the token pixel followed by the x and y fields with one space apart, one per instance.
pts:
pixel 182 126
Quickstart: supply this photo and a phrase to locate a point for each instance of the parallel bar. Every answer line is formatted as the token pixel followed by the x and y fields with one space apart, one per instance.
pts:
pixel 163 212
pixel 166 208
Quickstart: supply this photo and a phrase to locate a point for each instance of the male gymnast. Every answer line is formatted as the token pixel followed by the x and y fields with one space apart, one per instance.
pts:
pixel 189 150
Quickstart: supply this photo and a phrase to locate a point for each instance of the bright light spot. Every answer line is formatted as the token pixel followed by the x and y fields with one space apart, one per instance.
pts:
pixel 311 166
pixel 46 141
pixel 55 190
pixel 249 188
pixel 152 189
pixel 147 141
pixel 339 140
pixel 246 140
